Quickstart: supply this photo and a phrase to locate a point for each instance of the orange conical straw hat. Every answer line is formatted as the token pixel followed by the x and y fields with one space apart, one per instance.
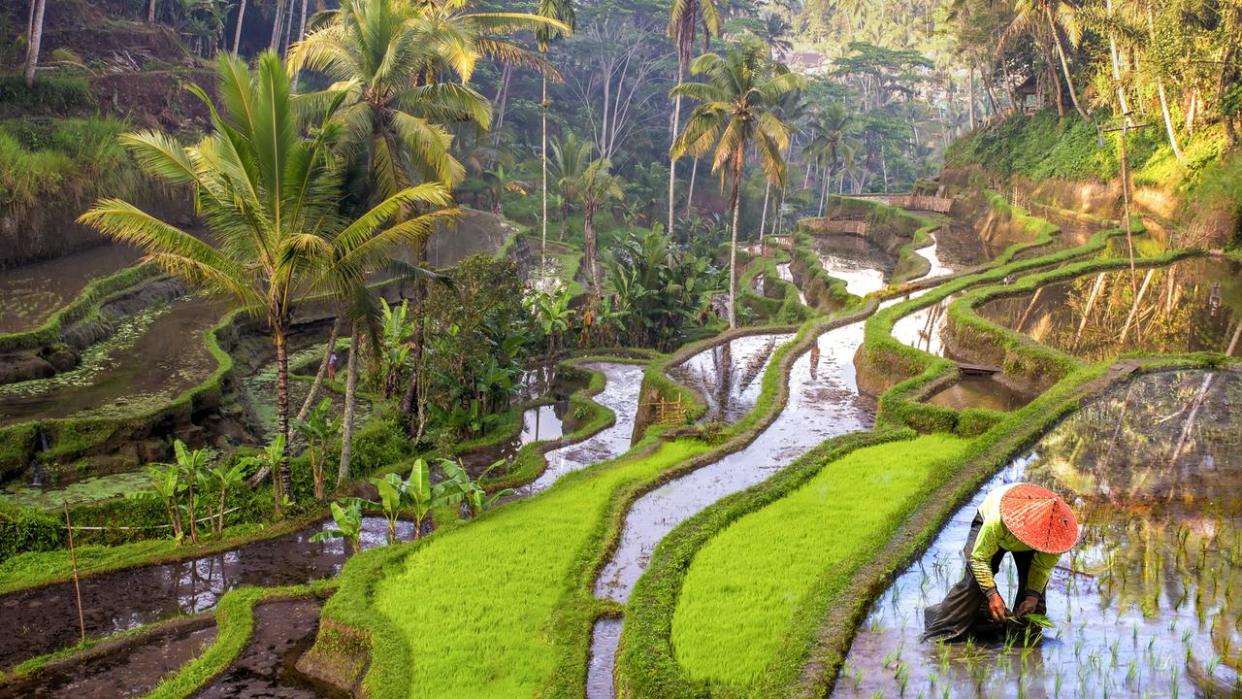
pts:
pixel 1039 518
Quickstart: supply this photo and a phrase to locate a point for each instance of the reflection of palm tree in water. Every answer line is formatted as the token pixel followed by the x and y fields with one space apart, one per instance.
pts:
pixel 815 359
pixel 722 360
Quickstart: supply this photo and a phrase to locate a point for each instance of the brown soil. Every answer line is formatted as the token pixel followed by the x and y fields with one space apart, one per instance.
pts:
pixel 283 631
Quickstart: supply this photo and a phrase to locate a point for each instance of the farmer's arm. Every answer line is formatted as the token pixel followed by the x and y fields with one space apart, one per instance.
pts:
pixel 1041 570
pixel 987 543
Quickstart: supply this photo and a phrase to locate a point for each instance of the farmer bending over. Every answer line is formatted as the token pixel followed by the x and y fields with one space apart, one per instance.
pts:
pixel 1028 522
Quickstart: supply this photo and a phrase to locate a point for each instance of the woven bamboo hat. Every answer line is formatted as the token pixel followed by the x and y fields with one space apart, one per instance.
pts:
pixel 1039 518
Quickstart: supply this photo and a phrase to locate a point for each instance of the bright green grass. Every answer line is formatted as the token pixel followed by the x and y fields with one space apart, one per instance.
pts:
pixel 744 587
pixel 476 605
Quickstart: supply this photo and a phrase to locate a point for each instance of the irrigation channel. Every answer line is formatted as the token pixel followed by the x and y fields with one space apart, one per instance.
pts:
pixel 1146 605
pixel 824 402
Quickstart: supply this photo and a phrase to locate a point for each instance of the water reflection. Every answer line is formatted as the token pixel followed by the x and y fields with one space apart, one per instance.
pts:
pixel 1189 306
pixel 728 375
pixel 1146 604
pixel 861 264
pixel 44 619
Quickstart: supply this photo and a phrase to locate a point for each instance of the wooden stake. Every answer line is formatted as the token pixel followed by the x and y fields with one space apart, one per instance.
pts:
pixel 73 561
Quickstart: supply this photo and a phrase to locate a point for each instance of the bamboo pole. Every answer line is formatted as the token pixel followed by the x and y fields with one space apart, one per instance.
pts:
pixel 73 562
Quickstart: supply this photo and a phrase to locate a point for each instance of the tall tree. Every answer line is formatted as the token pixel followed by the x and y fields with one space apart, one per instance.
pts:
pixel 270 198
pixel 562 11
pixel 1050 18
pixel 595 186
pixel 35 39
pixel 684 18
pixel 736 111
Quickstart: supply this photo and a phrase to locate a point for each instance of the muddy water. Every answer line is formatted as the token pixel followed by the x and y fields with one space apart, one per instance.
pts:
pixel 786 275
pixel 30 294
pixel 858 262
pixel 605 637
pixel 149 360
pixel 729 376
pixel 44 619
pixel 128 668
pixel 623 383
pixel 1189 306
pixel 283 631
pixel 1146 605
pixel 539 424
pixel 979 391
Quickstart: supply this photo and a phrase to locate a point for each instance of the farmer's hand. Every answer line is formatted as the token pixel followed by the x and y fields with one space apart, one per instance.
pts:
pixel 1027 605
pixel 996 606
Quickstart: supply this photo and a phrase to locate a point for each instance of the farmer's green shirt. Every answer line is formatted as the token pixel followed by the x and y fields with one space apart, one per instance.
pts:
pixel 995 536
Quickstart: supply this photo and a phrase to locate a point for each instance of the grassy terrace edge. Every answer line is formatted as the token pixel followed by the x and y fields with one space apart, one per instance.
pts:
pixel 87 301
pixel 352 628
pixel 647 665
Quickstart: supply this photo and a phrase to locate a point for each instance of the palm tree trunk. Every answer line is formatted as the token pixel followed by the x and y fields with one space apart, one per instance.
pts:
pixel 672 162
pixel 590 245
pixel 735 202
pixel 694 173
pixel 1164 99
pixel 241 15
pixel 282 480
pixel 763 220
pixel 323 371
pixel 1069 80
pixel 274 43
pixel 151 12
pixel 823 193
pixel 36 37
pixel 543 156
pixel 1115 59
pixel 302 25
pixel 351 386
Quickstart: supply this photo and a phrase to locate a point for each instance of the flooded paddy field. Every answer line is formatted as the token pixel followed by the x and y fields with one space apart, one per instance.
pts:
pixel 128 667
pixel 151 358
pixel 861 264
pixel 729 376
pixel 623 383
pixel 44 619
pixel 979 391
pixel 1191 305
pixel 31 293
pixel 1147 604
pixel 824 402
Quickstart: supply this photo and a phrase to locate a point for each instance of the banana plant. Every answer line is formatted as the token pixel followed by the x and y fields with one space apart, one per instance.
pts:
pixel 391 495
pixel 422 496
pixel 320 430
pixel 268 459
pixel 191 465
pixel 462 489
pixel 222 479
pixel 348 521
pixel 167 484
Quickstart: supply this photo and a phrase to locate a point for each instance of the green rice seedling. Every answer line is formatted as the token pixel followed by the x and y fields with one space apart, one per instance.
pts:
pixel 1112 651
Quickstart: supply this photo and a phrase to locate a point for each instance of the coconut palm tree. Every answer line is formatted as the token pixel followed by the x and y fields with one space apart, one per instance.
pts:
pixel 826 146
pixel 737 111
pixel 683 21
pixel 570 157
pixel 562 11
pixel 1056 17
pixel 270 198
pixel 595 186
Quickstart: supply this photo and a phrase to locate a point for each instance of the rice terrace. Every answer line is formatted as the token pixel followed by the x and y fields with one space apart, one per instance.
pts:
pixel 620 349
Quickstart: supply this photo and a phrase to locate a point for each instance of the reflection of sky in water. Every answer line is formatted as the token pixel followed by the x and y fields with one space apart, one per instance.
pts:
pixel 729 376
pixel 621 394
pixel 1146 613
